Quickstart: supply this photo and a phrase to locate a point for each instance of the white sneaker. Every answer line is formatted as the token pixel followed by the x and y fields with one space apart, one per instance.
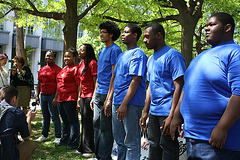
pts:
pixel 88 155
pixel 92 159
pixel 41 139
pixel 57 140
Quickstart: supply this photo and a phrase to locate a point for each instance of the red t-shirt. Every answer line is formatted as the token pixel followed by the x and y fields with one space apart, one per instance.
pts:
pixel 86 78
pixel 47 78
pixel 67 83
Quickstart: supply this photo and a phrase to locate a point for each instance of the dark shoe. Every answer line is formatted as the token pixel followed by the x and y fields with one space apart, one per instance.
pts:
pixel 59 144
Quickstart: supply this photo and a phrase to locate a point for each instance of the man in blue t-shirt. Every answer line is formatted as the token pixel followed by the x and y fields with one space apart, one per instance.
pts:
pixel 107 58
pixel 210 102
pixel 13 120
pixel 165 70
pixel 128 94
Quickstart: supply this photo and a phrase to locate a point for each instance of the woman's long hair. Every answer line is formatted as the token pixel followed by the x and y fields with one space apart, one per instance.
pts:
pixel 90 55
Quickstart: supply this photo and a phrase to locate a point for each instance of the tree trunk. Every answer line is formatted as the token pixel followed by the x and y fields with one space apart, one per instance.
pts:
pixel 20 51
pixel 187 40
pixel 71 23
pixel 188 22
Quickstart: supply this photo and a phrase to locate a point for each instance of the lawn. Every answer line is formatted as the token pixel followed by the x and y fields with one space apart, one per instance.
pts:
pixel 47 150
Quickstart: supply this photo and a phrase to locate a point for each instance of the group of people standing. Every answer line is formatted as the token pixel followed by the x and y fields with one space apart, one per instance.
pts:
pixel 68 91
pixel 115 102
pixel 205 96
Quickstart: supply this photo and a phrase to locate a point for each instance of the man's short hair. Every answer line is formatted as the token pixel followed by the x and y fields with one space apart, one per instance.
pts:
pixel 156 27
pixel 7 93
pixel 225 19
pixel 111 27
pixel 134 28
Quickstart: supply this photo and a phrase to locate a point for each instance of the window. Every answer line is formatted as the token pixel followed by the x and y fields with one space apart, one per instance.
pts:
pixel 2 26
pixel 30 30
pixel 80 33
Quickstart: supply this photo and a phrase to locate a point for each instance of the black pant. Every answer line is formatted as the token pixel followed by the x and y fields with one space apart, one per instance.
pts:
pixel 87 136
pixel 161 147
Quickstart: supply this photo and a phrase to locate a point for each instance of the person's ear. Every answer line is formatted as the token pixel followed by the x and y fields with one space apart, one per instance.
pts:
pixel 159 35
pixel 13 100
pixel 111 35
pixel 135 35
pixel 228 28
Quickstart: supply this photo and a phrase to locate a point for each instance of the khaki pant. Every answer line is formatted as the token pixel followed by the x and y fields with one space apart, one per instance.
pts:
pixel 26 149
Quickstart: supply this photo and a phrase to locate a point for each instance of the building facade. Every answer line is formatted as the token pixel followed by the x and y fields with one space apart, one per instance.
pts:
pixel 37 38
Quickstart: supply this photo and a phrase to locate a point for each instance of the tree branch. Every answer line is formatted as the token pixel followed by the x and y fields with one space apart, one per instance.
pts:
pixel 6 3
pixel 6 13
pixel 53 15
pixel 88 9
pixel 32 5
pixel 143 23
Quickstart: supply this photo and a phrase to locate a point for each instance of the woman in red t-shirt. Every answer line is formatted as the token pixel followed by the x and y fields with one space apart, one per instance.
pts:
pixel 68 91
pixel 88 77
pixel 47 85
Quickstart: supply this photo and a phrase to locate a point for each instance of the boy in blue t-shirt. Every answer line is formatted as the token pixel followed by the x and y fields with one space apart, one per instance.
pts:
pixel 165 70
pixel 103 138
pixel 129 95
pixel 210 101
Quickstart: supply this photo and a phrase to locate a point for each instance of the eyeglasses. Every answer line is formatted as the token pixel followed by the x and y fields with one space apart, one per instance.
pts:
pixel 102 32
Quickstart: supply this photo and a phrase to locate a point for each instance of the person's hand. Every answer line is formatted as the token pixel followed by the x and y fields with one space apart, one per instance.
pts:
pixel 166 126
pixel 14 70
pixel 54 102
pixel 142 121
pixel 176 124
pixel 218 137
pixel 78 105
pixel 107 108
pixel 37 99
pixel 121 112
pixel 92 104
pixel 31 115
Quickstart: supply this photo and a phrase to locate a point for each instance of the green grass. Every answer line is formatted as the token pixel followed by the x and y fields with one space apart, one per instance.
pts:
pixel 47 150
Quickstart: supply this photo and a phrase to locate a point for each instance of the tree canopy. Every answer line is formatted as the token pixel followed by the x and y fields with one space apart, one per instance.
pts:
pixel 183 20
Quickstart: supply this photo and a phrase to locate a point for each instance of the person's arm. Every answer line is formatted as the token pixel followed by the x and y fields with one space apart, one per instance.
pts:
pixel 20 69
pixel 107 107
pixel 30 116
pixel 177 119
pixel 122 110
pixel 38 92
pixel 178 83
pixel 228 119
pixel 142 121
pixel 92 100
pixel 5 71
pixel 54 102
pixel 79 97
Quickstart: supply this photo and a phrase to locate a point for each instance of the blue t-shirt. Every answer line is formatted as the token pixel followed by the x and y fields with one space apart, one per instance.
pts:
pixel 107 57
pixel 13 121
pixel 210 80
pixel 131 62
pixel 163 67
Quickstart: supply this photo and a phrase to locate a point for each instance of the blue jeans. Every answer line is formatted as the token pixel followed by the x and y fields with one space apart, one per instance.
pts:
pixel 127 133
pixel 70 126
pixel 49 111
pixel 103 139
pixel 161 146
pixel 202 150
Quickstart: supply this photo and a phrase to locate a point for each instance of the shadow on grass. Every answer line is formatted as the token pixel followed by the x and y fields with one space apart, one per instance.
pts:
pixel 47 150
